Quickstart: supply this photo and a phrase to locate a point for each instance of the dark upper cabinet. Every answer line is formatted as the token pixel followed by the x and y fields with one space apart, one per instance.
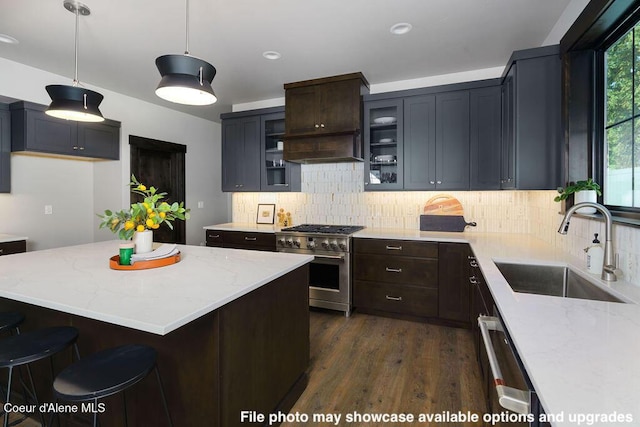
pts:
pixel 277 174
pixel 419 142
pixel 241 154
pixel 321 106
pixel 532 155
pixel 323 119
pixel 452 141
pixel 5 149
pixel 383 137
pixel 34 131
pixel 252 152
pixel 485 138
pixel 436 146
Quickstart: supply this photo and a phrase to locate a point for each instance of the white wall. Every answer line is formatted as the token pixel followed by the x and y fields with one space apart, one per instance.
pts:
pixel 78 190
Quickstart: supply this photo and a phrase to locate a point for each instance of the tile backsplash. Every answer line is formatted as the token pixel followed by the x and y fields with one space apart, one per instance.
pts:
pixel 334 194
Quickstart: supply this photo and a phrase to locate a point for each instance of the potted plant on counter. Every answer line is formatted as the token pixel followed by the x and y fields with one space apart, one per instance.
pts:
pixel 583 191
pixel 139 221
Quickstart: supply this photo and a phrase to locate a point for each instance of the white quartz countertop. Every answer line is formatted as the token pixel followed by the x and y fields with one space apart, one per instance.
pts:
pixel 581 356
pixel 78 280
pixel 4 238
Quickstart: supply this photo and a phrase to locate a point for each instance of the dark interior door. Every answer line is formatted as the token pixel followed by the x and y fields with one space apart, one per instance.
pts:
pixel 162 165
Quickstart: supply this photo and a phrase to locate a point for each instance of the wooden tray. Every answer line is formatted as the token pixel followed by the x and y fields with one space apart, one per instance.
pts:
pixel 114 263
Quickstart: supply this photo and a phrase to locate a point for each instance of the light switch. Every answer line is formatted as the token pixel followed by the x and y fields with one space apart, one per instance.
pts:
pixel 200 204
pixel 48 209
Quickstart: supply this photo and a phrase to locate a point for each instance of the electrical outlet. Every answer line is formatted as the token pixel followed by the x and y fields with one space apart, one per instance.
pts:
pixel 48 209
pixel 200 204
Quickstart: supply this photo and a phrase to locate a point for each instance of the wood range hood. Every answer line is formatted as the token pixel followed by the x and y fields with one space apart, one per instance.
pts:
pixel 323 119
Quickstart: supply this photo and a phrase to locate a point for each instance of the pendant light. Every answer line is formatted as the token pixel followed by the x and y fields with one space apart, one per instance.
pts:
pixel 75 102
pixel 185 78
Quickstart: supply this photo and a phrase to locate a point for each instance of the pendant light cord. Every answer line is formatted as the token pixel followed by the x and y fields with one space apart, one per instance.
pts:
pixel 186 51
pixel 75 74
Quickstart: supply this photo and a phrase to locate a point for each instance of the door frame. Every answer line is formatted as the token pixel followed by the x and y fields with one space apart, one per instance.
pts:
pixel 178 155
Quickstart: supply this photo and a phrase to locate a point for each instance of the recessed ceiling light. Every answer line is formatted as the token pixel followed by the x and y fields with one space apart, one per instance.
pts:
pixel 4 38
pixel 272 55
pixel 401 28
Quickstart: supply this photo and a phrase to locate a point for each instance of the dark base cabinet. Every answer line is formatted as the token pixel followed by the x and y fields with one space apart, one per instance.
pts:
pixel 16 247
pixel 212 368
pixel 396 277
pixel 241 240
pixel 453 282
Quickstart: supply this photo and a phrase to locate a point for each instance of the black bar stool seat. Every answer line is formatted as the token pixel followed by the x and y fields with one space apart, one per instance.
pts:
pixel 22 349
pixel 10 320
pixel 35 345
pixel 107 372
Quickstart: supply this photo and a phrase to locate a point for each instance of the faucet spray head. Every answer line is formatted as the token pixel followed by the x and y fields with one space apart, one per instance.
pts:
pixel 564 227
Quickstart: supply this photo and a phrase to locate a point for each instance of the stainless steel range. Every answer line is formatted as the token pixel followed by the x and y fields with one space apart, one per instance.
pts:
pixel 330 271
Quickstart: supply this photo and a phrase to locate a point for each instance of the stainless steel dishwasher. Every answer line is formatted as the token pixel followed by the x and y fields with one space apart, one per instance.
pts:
pixel 513 401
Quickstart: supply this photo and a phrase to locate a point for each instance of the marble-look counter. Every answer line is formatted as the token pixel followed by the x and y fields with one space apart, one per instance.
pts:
pixel 5 238
pixel 581 356
pixel 77 280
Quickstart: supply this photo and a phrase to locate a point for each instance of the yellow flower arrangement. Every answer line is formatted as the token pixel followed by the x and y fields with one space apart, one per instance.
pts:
pixel 146 215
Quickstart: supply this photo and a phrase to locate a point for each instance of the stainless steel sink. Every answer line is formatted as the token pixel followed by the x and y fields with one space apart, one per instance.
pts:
pixel 552 280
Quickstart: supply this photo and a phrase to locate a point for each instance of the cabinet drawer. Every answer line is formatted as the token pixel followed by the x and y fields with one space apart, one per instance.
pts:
pixel 413 248
pixel 214 238
pixel 397 269
pixel 8 248
pixel 241 239
pixel 414 300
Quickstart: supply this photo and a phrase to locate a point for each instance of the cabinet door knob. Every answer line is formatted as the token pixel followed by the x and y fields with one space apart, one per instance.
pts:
pixel 322 125
pixel 81 148
pixel 438 182
pixel 317 126
pixel 432 182
pixel 75 147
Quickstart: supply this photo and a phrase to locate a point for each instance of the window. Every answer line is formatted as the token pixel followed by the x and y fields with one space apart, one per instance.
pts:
pixel 621 156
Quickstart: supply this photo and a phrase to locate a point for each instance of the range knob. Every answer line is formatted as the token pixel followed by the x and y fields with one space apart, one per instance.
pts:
pixel 281 241
pixel 311 245
pixel 334 245
pixel 325 244
pixel 296 243
pixel 343 245
pixel 290 243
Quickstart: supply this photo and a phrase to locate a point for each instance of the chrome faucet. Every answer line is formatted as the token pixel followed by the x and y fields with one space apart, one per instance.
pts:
pixel 609 265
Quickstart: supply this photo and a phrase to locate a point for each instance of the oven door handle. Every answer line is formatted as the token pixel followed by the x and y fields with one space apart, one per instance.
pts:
pixel 336 257
pixel 515 400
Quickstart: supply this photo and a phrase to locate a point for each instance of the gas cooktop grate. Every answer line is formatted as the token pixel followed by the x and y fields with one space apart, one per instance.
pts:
pixel 325 229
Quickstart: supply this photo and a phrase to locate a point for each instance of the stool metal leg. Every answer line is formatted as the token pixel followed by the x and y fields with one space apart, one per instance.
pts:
pixel 164 399
pixel 6 414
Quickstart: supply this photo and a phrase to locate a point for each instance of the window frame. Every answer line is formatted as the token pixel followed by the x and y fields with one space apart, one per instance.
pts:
pixel 597 166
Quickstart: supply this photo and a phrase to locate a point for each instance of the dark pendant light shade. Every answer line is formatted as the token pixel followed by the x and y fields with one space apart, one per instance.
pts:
pixel 185 80
pixel 74 103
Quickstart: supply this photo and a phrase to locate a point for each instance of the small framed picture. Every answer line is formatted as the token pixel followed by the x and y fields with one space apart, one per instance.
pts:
pixel 266 214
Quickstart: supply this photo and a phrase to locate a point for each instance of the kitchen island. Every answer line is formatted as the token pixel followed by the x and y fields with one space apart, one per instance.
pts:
pixel 231 327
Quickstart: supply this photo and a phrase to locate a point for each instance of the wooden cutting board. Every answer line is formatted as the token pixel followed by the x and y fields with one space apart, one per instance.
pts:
pixel 443 212
pixel 443 204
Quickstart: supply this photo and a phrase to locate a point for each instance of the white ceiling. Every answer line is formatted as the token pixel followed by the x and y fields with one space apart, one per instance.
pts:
pixel 120 40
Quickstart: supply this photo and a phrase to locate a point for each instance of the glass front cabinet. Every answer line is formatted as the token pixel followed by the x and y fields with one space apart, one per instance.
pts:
pixel 383 145
pixel 277 175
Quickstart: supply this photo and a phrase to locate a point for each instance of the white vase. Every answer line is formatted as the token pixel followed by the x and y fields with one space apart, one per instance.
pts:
pixel 585 196
pixel 143 241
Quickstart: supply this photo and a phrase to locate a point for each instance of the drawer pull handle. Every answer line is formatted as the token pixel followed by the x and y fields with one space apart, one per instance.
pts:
pixel 389 297
pixel 394 270
pixel 213 236
pixel 1 251
pixel 394 248
pixel 473 263
pixel 474 280
pixel 250 239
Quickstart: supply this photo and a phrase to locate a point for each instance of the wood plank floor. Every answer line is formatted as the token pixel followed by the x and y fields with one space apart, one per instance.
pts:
pixel 372 364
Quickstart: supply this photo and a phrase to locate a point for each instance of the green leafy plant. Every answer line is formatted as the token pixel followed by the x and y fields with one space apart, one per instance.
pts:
pixel 146 215
pixel 589 184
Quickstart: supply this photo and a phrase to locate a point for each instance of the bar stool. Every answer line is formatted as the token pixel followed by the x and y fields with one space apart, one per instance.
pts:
pixel 29 347
pixel 106 373
pixel 10 321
